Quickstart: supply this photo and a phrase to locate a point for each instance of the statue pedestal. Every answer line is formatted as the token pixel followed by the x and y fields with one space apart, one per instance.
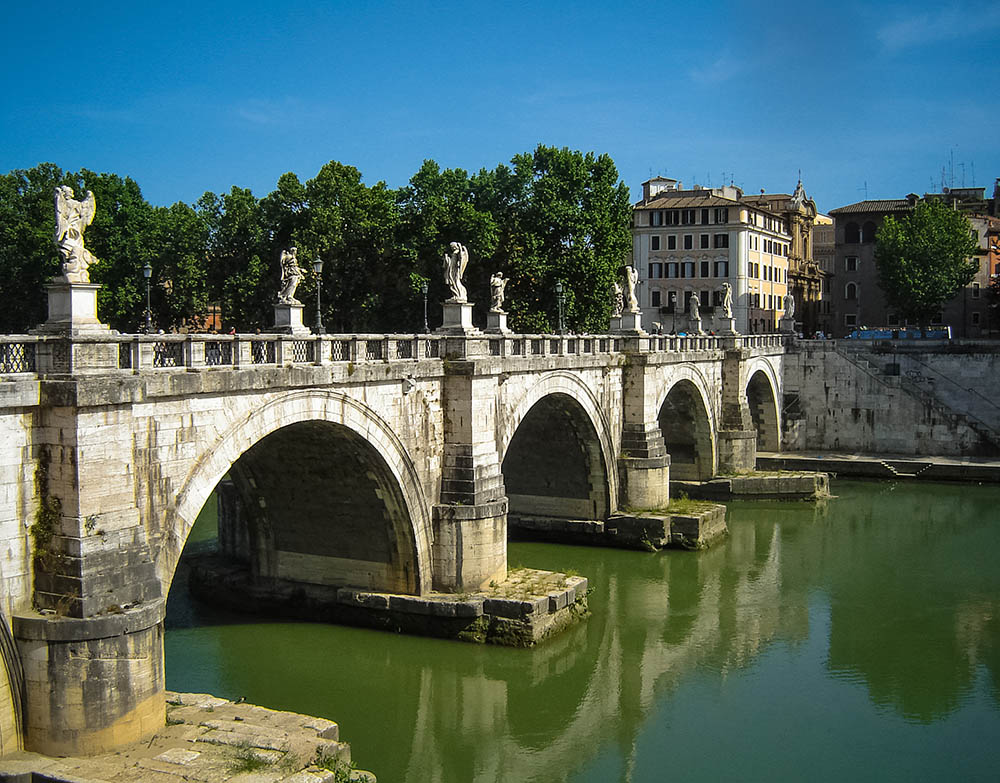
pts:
pixel 457 318
pixel 496 321
pixel 628 322
pixel 72 309
pixel 694 325
pixel 725 325
pixel 786 325
pixel 288 319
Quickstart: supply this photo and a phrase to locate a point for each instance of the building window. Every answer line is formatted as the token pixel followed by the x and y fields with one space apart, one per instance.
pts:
pixel 850 319
pixel 722 215
pixel 851 292
pixel 704 241
pixel 722 269
pixel 704 217
pixel 656 218
pixel 704 268
pixel 672 242
pixel 655 271
pixel 654 243
pixel 975 319
pixel 721 240
pixel 687 217
pixel 704 299
pixel 852 234
pixel 672 270
pixel 654 298
pixel 851 264
pixel 975 290
pixel 688 269
pixel 688 241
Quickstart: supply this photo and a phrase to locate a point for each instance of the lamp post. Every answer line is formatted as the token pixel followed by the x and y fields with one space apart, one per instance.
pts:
pixel 561 301
pixel 318 270
pixel 423 290
pixel 673 312
pixel 147 272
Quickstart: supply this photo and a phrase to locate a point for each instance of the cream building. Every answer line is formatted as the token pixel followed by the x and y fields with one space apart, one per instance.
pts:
pixel 689 242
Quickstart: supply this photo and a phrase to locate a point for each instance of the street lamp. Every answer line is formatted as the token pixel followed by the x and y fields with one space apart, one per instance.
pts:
pixel 147 272
pixel 673 312
pixel 561 300
pixel 423 290
pixel 318 270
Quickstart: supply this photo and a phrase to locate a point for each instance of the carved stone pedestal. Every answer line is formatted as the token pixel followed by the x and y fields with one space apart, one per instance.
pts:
pixel 786 325
pixel 72 309
pixel 457 318
pixel 288 319
pixel 496 321
pixel 694 325
pixel 627 322
pixel 725 325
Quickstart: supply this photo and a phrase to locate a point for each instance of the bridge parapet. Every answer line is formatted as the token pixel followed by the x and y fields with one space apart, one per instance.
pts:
pixel 48 354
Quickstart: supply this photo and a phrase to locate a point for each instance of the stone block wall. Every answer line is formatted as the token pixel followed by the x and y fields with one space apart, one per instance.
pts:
pixel 833 404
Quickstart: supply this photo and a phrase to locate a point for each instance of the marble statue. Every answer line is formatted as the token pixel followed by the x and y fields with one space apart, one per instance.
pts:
pixel 455 261
pixel 694 308
pixel 498 284
pixel 72 219
pixel 631 278
pixel 291 276
pixel 788 305
pixel 727 300
pixel 617 300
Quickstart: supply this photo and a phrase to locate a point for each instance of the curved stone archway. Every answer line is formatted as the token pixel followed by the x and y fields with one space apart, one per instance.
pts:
pixel 686 423
pixel 555 452
pixel 331 494
pixel 762 399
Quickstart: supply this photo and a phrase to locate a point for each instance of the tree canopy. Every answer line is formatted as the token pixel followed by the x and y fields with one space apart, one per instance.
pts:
pixel 923 259
pixel 552 215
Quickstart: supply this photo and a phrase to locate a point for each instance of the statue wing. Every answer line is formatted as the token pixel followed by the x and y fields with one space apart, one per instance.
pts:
pixel 88 208
pixel 463 262
pixel 61 222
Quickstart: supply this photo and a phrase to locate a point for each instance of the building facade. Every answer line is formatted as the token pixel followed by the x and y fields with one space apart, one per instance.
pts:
pixel 687 243
pixel 857 299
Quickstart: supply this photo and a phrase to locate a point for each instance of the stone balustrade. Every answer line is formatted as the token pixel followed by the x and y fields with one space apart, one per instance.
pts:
pixel 47 354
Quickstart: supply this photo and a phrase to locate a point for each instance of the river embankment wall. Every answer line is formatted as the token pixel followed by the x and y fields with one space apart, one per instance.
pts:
pixel 849 397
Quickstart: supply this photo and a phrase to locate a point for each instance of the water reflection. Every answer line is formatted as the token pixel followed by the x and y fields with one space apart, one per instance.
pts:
pixel 890 590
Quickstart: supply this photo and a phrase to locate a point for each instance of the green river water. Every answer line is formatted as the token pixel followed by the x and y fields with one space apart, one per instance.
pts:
pixel 853 640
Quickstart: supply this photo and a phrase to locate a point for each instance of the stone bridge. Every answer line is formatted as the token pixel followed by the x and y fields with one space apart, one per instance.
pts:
pixel 385 462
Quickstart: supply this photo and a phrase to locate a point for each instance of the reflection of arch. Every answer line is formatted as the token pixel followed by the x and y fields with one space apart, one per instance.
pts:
pixel 852 233
pixel 688 434
pixel 321 419
pixel 575 404
pixel 554 466
pixel 762 397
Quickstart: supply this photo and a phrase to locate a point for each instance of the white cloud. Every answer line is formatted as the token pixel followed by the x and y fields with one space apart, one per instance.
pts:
pixel 721 69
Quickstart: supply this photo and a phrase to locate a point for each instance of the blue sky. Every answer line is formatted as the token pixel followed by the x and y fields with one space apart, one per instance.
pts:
pixel 188 97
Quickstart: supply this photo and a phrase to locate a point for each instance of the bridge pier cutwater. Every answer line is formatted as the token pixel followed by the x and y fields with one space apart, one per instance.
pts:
pixel 376 462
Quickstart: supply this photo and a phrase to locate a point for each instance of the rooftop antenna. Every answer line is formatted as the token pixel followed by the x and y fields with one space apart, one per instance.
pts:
pixel 963 173
pixel 865 189
pixel 973 165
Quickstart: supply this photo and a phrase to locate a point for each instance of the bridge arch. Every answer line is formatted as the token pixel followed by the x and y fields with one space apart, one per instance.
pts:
pixel 688 424
pixel 557 423
pixel 763 392
pixel 260 449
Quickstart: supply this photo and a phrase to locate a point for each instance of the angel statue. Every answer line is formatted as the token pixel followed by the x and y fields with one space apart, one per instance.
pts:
pixel 727 300
pixel 291 276
pixel 72 219
pixel 455 261
pixel 631 278
pixel 617 299
pixel 498 284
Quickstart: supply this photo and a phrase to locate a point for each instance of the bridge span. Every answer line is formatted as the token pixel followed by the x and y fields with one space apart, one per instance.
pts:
pixel 384 462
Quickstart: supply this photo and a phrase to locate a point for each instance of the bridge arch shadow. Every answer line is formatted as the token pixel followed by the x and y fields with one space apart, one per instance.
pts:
pixel 555 461
pixel 762 398
pixel 324 494
pixel 686 423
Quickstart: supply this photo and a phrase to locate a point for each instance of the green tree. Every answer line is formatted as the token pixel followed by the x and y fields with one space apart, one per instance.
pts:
pixel 177 240
pixel 923 260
